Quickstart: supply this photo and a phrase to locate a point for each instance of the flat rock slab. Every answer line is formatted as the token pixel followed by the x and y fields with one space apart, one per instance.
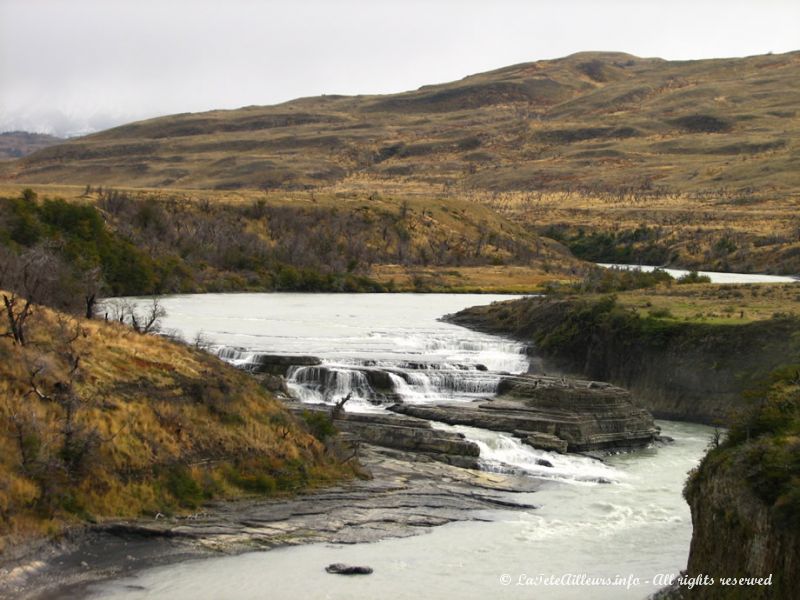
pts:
pixel 400 432
pixel 566 415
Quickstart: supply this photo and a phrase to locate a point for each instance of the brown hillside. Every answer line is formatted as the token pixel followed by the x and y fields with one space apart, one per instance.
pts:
pixel 16 144
pixel 590 121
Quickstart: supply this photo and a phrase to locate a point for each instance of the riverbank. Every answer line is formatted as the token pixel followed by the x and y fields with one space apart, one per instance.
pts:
pixel 404 495
pixel 636 524
pixel 102 422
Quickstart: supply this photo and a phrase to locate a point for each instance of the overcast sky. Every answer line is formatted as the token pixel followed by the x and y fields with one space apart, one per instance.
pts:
pixel 71 66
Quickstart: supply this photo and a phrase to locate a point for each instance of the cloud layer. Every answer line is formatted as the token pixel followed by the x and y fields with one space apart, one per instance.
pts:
pixel 73 66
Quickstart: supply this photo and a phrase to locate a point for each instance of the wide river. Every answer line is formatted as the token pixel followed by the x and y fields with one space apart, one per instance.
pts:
pixel 714 276
pixel 622 520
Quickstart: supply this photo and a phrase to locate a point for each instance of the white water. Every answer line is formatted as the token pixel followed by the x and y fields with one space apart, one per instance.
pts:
pixel 623 517
pixel 503 453
pixel 354 334
pixel 715 276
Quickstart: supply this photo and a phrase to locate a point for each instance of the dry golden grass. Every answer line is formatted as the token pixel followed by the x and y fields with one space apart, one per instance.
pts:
pixel 762 229
pixel 723 304
pixel 488 279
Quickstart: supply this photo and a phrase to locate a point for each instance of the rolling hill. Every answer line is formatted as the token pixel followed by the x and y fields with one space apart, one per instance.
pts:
pixel 16 144
pixel 590 122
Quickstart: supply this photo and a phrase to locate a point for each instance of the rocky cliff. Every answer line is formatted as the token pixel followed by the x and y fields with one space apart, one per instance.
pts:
pixel 736 535
pixel 678 370
pixel 745 500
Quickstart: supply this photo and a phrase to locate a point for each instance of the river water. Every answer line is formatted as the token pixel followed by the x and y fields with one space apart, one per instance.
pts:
pixel 714 276
pixel 621 519
pixel 357 336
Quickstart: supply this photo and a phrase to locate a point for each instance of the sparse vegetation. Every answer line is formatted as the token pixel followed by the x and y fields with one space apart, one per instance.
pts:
pixel 590 124
pixel 136 243
pixel 607 281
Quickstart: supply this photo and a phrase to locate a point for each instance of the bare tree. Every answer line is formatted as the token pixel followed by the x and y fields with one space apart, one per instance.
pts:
pixel 52 379
pixel 92 284
pixel 150 320
pixel 27 279
pixel 338 407
pixel 147 321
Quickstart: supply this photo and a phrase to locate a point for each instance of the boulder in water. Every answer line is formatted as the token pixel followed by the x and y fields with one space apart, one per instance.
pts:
pixel 278 364
pixel 342 569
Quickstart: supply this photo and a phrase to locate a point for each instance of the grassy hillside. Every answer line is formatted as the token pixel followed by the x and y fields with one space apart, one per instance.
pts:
pixel 747 230
pixel 591 122
pixel 99 421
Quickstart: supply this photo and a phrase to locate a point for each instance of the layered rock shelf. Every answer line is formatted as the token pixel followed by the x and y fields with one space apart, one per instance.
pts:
pixel 552 413
pixel 549 413
pixel 408 434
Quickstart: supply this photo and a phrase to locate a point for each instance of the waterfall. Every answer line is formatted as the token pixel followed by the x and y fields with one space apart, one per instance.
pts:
pixel 412 365
pixel 329 383
pixel 238 357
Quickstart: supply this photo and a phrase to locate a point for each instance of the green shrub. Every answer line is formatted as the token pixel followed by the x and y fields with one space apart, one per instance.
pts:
pixel 607 281
pixel 186 491
pixel 766 437
pixel 693 277
pixel 319 424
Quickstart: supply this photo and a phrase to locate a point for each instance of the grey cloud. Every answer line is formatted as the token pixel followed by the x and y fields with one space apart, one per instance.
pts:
pixel 71 65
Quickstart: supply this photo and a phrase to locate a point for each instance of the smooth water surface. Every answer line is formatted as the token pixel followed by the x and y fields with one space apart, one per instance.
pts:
pixel 716 277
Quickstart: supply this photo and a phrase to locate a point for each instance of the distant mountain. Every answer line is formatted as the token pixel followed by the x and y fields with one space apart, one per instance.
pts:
pixel 16 144
pixel 590 121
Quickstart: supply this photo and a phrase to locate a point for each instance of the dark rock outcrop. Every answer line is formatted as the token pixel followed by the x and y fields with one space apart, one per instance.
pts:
pixel 278 364
pixel 407 434
pixel 552 414
pixel 273 383
pixel 737 535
